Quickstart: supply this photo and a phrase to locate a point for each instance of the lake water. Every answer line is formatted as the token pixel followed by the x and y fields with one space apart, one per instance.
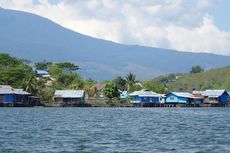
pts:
pixel 70 130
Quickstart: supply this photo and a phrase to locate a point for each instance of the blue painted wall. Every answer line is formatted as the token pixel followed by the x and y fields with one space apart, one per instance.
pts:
pixel 224 98
pixel 21 99
pixel 198 101
pixel 9 98
pixel 149 99
pixel 12 98
pixel 138 99
pixel 171 98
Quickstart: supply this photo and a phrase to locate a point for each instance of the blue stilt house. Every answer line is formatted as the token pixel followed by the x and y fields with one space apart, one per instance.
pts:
pixel 10 96
pixel 178 98
pixel 145 96
pixel 6 94
pixel 198 97
pixel 216 97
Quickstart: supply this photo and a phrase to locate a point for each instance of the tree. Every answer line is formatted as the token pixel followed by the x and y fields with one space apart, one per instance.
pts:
pixel 46 95
pixel 120 83
pixel 13 70
pixel 92 92
pixel 7 61
pixel 89 82
pixel 54 70
pixel 196 69
pixel 155 86
pixel 111 91
pixel 44 65
pixel 68 67
pixel 76 84
pixel 65 77
pixel 30 84
pixel 130 82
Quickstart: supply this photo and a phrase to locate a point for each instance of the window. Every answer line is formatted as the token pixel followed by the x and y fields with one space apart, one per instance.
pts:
pixel 171 98
pixel 2 98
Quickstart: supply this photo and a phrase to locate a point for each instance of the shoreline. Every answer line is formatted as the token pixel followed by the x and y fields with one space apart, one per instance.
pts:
pixel 113 106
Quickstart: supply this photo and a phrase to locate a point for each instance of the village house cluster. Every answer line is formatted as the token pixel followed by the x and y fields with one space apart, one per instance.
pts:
pixel 173 99
pixel 143 98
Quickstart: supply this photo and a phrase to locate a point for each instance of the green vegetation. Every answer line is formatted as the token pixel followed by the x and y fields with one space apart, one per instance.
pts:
pixel 212 79
pixel 197 69
pixel 13 71
pixel 44 65
pixel 130 82
pixel 111 91
pixel 155 86
pixel 18 73
pixel 30 83
pixel 120 83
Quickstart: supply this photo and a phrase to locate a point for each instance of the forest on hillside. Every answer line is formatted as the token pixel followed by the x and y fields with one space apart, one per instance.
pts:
pixel 197 79
pixel 21 73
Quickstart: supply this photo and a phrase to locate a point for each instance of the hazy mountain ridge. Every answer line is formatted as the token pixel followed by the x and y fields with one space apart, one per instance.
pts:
pixel 36 38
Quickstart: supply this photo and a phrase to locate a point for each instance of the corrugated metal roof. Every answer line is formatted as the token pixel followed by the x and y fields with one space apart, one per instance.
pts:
pixel 21 92
pixel 6 91
pixel 145 93
pixel 6 87
pixel 69 93
pixel 213 93
pixel 42 72
pixel 197 92
pixel 10 90
pixel 183 94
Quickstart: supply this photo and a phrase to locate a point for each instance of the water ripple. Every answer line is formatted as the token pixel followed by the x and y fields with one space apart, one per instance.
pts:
pixel 70 130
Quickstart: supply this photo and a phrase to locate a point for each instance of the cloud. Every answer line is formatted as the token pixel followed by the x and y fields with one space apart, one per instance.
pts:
pixel 174 24
pixel 207 38
pixel 201 4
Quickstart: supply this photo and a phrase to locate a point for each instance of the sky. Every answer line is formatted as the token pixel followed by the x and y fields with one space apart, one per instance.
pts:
pixel 184 25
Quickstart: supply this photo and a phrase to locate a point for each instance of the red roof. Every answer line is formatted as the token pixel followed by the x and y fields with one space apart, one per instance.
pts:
pixel 198 96
pixel 98 86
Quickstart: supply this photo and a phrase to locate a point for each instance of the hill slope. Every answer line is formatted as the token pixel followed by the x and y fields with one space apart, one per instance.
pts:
pixel 36 38
pixel 212 79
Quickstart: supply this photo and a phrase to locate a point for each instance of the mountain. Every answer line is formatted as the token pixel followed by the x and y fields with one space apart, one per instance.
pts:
pixel 30 36
pixel 212 79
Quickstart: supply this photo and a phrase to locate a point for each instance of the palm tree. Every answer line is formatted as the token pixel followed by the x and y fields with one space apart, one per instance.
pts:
pixel 30 84
pixel 130 82
pixel 94 92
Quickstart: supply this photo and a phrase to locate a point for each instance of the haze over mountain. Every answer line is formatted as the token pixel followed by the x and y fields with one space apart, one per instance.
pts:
pixel 36 38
